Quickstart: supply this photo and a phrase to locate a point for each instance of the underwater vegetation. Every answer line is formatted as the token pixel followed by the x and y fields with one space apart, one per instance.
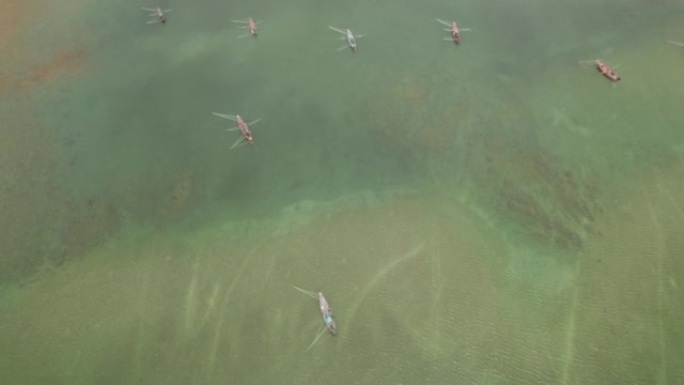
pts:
pixel 489 144
pixel 532 190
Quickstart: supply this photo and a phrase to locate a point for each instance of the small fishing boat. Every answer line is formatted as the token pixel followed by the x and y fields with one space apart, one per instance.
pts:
pixel 453 30
pixel 242 126
pixel 158 13
pixel 251 25
pixel 607 71
pixel 604 69
pixel 349 37
pixel 326 312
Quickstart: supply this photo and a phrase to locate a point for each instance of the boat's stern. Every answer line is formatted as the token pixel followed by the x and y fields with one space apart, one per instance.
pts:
pixel 331 325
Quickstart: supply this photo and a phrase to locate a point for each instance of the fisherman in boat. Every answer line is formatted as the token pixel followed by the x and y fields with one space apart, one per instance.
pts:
pixel 607 71
pixel 330 323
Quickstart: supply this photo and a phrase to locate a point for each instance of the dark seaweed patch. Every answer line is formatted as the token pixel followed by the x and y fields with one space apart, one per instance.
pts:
pixel 531 189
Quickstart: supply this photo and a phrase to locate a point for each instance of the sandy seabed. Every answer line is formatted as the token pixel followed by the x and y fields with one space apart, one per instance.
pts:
pixel 425 291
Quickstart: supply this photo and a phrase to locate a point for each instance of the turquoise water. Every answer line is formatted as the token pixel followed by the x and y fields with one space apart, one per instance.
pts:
pixel 489 213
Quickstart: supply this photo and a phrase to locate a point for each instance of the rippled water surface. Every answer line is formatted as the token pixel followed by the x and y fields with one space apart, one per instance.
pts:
pixel 488 213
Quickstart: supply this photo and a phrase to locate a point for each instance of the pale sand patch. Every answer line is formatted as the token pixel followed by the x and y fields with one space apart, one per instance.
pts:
pixel 414 284
pixel 417 285
pixel 627 326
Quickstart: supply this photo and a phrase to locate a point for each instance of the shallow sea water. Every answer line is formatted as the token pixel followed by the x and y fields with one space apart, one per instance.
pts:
pixel 489 213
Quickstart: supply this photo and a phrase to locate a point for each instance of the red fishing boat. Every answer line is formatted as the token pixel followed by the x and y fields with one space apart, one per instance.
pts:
pixel 158 14
pixel 453 30
pixel 242 126
pixel 251 24
pixel 604 69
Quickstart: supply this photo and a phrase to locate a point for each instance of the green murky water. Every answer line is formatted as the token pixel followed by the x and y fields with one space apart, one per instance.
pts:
pixel 492 213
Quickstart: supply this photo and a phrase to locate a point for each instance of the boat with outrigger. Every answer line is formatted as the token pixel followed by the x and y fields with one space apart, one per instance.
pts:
pixel 158 13
pixel 326 312
pixel 349 37
pixel 453 30
pixel 243 127
pixel 604 69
